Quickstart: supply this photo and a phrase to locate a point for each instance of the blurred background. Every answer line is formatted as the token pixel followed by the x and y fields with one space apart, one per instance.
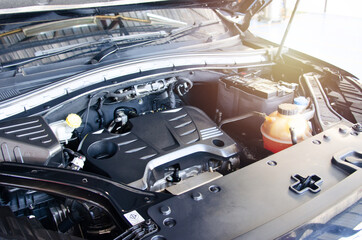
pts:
pixel 330 30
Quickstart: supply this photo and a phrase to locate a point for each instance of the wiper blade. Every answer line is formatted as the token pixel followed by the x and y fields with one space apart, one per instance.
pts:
pixel 123 39
pixel 174 34
pixel 131 39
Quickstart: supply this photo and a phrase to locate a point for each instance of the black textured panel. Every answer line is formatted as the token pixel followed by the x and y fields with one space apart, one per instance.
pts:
pixel 28 140
pixel 255 202
pixel 353 96
pixel 8 94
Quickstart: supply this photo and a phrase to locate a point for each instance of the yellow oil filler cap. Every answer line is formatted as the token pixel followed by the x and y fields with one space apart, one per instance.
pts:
pixel 73 120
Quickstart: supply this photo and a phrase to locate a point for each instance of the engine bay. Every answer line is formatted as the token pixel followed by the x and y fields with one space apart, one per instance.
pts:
pixel 155 120
pixel 167 135
pixel 154 135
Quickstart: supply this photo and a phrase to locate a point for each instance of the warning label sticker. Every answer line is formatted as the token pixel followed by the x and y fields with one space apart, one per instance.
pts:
pixel 134 217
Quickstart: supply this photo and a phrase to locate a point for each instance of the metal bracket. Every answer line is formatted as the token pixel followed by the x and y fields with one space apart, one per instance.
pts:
pixel 303 184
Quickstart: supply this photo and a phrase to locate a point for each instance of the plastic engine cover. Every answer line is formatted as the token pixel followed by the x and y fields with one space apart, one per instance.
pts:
pixel 184 136
pixel 29 140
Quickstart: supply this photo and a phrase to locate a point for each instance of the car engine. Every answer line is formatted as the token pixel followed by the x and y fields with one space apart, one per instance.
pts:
pixel 161 149
pixel 167 135
pixel 145 135
pixel 155 120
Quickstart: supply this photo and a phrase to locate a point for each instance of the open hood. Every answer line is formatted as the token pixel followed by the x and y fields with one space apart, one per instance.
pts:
pixel 18 7
pixel 13 15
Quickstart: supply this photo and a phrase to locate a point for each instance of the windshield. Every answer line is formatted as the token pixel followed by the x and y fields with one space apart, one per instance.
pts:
pixel 38 42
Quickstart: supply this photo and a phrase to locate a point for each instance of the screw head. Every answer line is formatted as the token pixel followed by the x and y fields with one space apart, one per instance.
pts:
pixel 272 163
pixel 214 188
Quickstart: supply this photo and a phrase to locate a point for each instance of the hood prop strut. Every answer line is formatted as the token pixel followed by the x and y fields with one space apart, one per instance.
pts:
pixel 278 55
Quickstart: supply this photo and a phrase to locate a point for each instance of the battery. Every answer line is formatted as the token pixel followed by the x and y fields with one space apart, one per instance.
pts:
pixel 239 95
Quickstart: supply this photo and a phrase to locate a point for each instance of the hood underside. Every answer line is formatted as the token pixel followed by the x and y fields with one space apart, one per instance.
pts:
pixel 28 6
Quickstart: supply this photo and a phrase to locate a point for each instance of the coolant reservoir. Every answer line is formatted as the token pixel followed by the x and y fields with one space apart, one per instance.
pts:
pixel 280 127
pixel 63 129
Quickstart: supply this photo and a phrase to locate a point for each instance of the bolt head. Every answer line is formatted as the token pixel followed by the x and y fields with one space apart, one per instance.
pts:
pixel 165 210
pixel 197 196
pixel 326 138
pixel 342 130
pixel 357 127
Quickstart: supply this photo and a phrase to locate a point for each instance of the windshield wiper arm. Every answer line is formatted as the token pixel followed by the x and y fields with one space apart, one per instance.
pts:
pixel 132 41
pixel 123 39
pixel 174 34
pixel 128 39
